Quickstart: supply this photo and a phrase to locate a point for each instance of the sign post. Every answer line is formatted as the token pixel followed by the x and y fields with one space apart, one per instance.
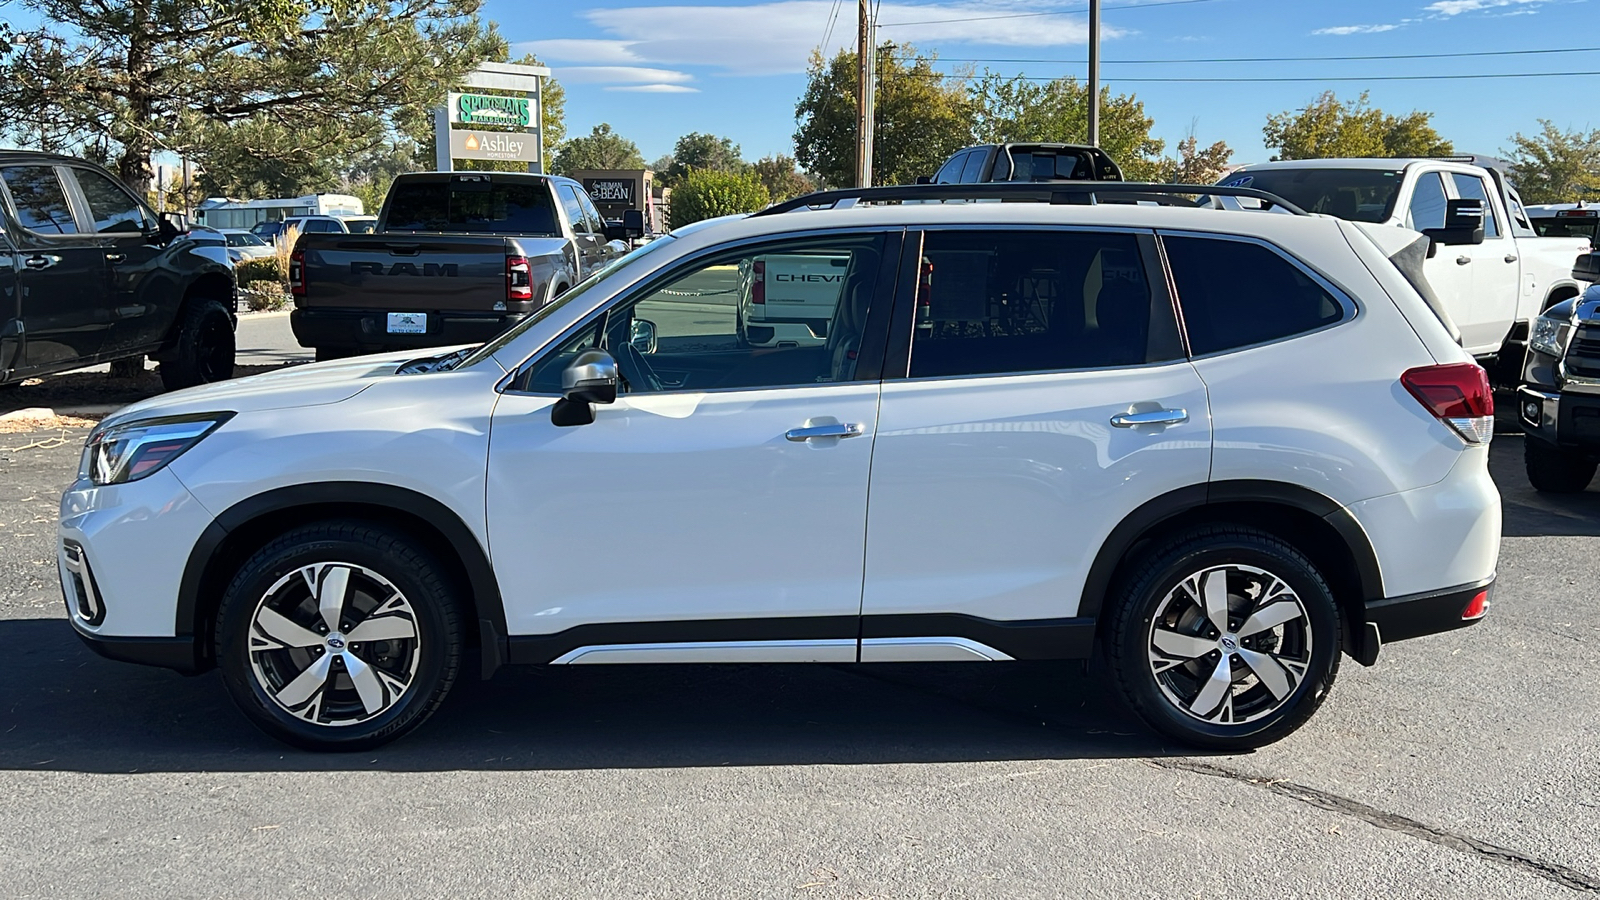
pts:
pixel 500 110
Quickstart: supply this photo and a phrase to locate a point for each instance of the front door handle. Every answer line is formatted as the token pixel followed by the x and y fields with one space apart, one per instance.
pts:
pixel 824 431
pixel 41 261
pixel 1463 260
pixel 116 257
pixel 1154 417
pixel 1511 257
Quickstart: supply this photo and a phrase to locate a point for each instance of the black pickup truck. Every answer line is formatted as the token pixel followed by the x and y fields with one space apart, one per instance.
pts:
pixel 457 258
pixel 88 274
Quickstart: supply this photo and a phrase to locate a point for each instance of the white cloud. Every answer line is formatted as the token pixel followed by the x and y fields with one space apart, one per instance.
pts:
pixel 655 88
pixel 589 51
pixel 618 74
pixel 1457 7
pixel 1355 29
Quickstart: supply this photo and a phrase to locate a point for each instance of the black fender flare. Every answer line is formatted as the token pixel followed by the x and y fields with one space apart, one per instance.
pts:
pixel 329 496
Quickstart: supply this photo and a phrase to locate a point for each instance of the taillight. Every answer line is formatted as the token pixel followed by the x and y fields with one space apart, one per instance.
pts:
pixel 1458 395
pixel 758 284
pixel 297 273
pixel 519 286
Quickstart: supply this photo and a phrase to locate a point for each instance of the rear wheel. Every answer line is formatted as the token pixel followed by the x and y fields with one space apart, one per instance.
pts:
pixel 1552 470
pixel 1226 638
pixel 203 351
pixel 339 636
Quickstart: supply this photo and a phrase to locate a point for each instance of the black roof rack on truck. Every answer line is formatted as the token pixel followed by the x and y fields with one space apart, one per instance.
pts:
pixel 1060 193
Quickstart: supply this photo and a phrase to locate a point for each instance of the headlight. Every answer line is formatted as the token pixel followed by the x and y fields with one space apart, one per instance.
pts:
pixel 1546 337
pixel 128 451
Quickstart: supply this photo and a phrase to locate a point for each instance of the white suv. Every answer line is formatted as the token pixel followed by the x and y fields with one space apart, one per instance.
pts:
pixel 1219 447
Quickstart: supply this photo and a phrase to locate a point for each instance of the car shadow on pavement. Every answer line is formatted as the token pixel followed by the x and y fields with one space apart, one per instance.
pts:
pixel 64 709
pixel 1529 513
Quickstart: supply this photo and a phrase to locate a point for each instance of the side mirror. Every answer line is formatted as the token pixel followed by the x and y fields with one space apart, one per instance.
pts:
pixel 171 225
pixel 633 222
pixel 924 179
pixel 589 379
pixel 1587 267
pixel 643 336
pixel 1463 223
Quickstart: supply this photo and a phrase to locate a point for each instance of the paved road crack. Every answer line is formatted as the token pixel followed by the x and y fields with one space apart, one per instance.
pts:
pixel 1562 875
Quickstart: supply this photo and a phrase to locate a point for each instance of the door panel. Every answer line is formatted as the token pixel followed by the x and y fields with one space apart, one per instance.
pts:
pixel 137 285
pixel 61 282
pixel 1496 273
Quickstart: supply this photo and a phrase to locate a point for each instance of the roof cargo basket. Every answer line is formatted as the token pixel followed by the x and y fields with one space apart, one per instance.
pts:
pixel 1085 193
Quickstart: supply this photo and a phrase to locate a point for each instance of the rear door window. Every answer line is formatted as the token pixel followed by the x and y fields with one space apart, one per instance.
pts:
pixel 573 208
pixel 39 200
pixel 1002 302
pixel 1237 293
pixel 472 206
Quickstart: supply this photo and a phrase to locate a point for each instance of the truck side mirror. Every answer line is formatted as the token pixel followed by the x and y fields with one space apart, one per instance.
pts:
pixel 171 225
pixel 590 378
pixel 1463 223
pixel 924 179
pixel 1587 267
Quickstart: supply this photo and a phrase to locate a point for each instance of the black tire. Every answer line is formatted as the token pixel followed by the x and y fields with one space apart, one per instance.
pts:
pixel 204 350
pixel 1552 470
pixel 1130 637
pixel 256 669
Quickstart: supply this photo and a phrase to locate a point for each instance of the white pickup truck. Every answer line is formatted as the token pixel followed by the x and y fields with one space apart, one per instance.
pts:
pixel 1493 280
pixel 789 300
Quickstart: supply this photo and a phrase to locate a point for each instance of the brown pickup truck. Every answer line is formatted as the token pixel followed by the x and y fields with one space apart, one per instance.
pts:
pixel 457 257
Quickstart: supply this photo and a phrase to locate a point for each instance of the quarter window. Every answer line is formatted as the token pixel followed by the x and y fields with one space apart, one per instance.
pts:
pixel 40 202
pixel 1235 293
pixel 777 315
pixel 114 209
pixel 992 302
pixel 1471 186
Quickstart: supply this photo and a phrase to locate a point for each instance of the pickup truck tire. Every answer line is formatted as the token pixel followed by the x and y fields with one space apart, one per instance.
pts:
pixel 1552 470
pixel 204 349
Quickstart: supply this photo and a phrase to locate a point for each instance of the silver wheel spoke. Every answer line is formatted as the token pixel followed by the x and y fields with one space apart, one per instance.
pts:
pixel 366 681
pixel 1270 616
pixel 306 683
pixel 285 632
pixel 1215 591
pixel 383 628
pixel 1174 644
pixel 330 584
pixel 1274 676
pixel 1215 690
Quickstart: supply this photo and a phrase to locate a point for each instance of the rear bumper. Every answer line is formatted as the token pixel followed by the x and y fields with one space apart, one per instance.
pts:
pixel 1415 615
pixel 368 329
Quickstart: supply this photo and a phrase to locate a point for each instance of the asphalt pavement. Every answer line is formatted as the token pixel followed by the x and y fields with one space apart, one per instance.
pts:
pixel 1463 765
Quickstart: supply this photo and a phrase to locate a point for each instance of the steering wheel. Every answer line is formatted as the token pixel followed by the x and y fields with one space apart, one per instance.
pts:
pixel 635 369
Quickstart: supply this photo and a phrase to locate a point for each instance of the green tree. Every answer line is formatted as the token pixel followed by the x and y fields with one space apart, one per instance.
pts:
pixel 779 176
pixel 601 148
pixel 197 77
pixel 1329 128
pixel 1194 165
pixel 1556 166
pixel 1017 109
pixel 922 116
pixel 705 194
pixel 701 151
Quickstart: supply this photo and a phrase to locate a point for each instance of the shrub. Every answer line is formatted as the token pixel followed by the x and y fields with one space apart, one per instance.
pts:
pixel 705 194
pixel 251 271
pixel 264 296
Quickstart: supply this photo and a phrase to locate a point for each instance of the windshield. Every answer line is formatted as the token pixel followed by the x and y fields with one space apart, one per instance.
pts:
pixel 1358 195
pixel 594 280
pixel 245 240
pixel 472 205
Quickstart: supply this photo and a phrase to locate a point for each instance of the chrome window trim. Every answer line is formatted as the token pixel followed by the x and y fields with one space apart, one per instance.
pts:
pixel 670 270
pixel 1352 310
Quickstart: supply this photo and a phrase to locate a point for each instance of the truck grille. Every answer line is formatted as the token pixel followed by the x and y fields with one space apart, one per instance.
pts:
pixel 1583 352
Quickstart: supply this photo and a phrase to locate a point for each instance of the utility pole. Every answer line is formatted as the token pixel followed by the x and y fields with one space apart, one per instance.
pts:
pixel 866 99
pixel 1094 73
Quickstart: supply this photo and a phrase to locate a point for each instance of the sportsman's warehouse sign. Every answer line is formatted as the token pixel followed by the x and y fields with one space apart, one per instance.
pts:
pixel 490 109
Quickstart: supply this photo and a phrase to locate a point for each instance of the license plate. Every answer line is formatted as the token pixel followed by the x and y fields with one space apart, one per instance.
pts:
pixel 408 323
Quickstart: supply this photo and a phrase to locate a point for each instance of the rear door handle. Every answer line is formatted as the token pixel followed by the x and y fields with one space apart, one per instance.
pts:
pixel 1511 257
pixel 1463 260
pixel 41 261
pixel 1154 417
pixel 116 257
pixel 824 431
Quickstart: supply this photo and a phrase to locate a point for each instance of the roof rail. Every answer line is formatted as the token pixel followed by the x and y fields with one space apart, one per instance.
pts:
pixel 1079 193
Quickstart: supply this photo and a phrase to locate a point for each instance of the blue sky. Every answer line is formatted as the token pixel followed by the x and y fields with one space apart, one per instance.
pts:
pixel 656 72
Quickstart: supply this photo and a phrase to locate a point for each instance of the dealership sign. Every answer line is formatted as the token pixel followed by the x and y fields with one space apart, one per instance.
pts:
pixel 610 190
pixel 514 146
pixel 489 109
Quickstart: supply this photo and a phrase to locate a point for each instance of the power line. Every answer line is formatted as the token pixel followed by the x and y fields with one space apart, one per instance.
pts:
pixel 912 74
pixel 1262 59
pixel 1059 12
pixel 833 17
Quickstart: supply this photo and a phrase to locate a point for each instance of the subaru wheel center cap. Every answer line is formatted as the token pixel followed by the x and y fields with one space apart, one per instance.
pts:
pixel 336 642
pixel 1228 643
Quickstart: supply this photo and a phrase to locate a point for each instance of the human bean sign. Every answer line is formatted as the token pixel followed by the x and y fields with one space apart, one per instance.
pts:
pixel 489 109
pixel 610 190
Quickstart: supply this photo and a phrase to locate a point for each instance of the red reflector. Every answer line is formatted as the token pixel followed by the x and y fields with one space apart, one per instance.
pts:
pixel 758 284
pixel 1454 391
pixel 925 284
pixel 1476 609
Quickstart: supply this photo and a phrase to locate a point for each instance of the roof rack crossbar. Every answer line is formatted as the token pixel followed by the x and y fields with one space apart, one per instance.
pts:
pixel 1058 192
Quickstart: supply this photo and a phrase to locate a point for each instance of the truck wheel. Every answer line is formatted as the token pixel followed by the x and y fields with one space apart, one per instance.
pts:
pixel 1552 470
pixel 204 350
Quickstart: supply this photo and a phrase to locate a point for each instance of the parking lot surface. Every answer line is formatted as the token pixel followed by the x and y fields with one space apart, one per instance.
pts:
pixel 1463 765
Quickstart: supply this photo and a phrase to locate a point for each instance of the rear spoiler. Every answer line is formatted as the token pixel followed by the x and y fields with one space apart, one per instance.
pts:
pixel 1408 249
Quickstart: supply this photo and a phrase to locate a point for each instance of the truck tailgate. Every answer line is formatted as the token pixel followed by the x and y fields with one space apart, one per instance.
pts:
pixel 403 272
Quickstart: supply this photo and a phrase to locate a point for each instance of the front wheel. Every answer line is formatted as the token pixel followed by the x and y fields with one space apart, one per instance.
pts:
pixel 203 349
pixel 339 636
pixel 1552 470
pixel 1225 638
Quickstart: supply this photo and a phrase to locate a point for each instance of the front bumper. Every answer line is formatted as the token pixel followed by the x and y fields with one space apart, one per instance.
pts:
pixel 1568 419
pixel 1415 615
pixel 176 653
pixel 367 329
